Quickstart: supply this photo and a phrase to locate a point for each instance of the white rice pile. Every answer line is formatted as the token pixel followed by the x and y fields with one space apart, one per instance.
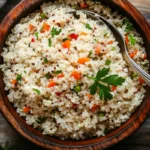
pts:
pixel 46 58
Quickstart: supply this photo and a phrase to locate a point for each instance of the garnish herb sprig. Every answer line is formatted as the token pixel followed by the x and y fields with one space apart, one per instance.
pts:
pixel 103 81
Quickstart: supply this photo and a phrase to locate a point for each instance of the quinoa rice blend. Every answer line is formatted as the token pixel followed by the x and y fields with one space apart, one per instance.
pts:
pixel 49 58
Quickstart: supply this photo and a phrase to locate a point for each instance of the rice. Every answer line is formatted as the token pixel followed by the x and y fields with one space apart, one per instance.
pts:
pixel 42 52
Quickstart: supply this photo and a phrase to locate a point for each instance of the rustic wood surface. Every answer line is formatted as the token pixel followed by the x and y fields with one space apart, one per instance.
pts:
pixel 139 141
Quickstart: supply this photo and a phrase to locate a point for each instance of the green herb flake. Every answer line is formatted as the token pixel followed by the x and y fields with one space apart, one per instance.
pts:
pixel 103 81
pixel 45 60
pixel 65 39
pixel 40 119
pixel 55 31
pixel 88 26
pixel 43 15
pixel 90 53
pixel 105 34
pixel 49 42
pixel 113 49
pixel 102 114
pixel 58 72
pixel 77 89
pixel 108 62
pixel 19 77
pixel 48 76
pixel 132 39
pixel 37 91
pixel 129 27
pixel 37 35
pixel 106 131
pixel 96 40
pixel 72 30
pixel 134 75
pixel 25 72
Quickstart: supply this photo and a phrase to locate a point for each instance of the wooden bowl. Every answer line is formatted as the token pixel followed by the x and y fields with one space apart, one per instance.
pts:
pixel 136 120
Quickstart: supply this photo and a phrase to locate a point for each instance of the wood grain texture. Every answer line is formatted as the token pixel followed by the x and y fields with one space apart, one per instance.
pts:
pixel 105 143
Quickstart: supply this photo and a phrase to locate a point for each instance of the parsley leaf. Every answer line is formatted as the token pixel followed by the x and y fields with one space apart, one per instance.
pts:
pixel 45 60
pixel 37 35
pixel 40 119
pixel 58 72
pixel 48 75
pixel 19 77
pixel 37 91
pixel 49 42
pixel 54 32
pixel 43 15
pixel 90 53
pixel 88 26
pixel 132 39
pixel 129 26
pixel 103 82
pixel 108 62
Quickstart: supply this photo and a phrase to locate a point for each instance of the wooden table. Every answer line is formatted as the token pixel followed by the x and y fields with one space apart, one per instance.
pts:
pixel 139 141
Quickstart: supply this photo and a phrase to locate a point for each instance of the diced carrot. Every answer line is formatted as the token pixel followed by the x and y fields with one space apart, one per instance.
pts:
pixel 61 75
pixel 113 88
pixel 110 42
pixel 45 27
pixel 32 40
pixel 127 40
pixel 95 108
pixel 51 84
pixel 83 33
pixel 83 5
pixel 14 82
pixel 89 95
pixel 31 27
pixel 26 109
pixel 66 44
pixel 133 54
pixel 83 60
pixel 141 81
pixel 145 56
pixel 98 50
pixel 76 75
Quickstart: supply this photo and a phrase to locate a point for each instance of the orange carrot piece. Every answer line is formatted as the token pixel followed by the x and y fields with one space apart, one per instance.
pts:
pixel 14 82
pixel 110 42
pixel 76 75
pixel 45 27
pixel 95 108
pixel 89 95
pixel 66 44
pixel 132 55
pixel 83 5
pixel 61 75
pixel 113 88
pixel 26 109
pixel 98 50
pixel 51 84
pixel 127 40
pixel 83 60
pixel 141 81
pixel 31 27
pixel 83 33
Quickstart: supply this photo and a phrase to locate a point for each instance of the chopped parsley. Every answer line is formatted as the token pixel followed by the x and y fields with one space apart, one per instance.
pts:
pixel 45 60
pixel 65 39
pixel 55 31
pixel 128 24
pixel 58 72
pixel 37 91
pixel 102 114
pixel 43 15
pixel 132 39
pixel 113 48
pixel 49 42
pixel 88 26
pixel 103 81
pixel 48 75
pixel 77 89
pixel 108 62
pixel 37 35
pixel 19 77
pixel 90 53
pixel 96 40
pixel 40 119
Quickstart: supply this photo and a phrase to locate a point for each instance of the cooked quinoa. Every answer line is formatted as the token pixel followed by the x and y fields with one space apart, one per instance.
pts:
pixel 50 59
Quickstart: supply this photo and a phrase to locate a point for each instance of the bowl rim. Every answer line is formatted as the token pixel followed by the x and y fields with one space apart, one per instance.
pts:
pixel 137 121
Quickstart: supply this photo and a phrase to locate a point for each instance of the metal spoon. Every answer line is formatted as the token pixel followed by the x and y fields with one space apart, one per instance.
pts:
pixel 123 47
